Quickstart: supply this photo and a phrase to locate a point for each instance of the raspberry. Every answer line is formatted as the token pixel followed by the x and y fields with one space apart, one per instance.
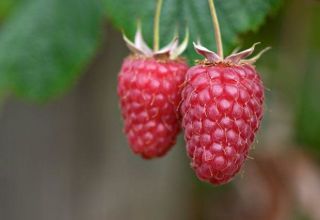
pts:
pixel 222 108
pixel 149 87
pixel 150 93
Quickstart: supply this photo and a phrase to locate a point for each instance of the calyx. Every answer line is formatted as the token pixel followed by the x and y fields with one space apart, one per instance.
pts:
pixel 235 57
pixel 172 51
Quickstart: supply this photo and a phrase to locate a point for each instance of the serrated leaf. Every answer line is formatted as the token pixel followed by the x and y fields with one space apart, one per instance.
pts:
pixel 235 17
pixel 45 44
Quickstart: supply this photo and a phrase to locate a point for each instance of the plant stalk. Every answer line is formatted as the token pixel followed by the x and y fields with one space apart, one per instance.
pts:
pixel 217 32
pixel 156 26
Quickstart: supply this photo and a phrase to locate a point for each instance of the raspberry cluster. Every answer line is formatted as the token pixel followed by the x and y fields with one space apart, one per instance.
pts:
pixel 220 101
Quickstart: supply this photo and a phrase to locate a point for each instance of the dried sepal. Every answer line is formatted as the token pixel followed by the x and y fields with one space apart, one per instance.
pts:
pixel 180 48
pixel 171 51
pixel 237 57
pixel 140 43
pixel 208 54
pixel 132 47
pixel 166 51
pixel 256 57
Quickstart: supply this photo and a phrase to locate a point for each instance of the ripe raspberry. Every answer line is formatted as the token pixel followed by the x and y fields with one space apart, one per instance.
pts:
pixel 149 87
pixel 150 95
pixel 222 108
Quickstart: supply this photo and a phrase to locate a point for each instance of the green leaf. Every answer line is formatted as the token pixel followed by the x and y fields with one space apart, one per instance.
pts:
pixel 45 45
pixel 235 16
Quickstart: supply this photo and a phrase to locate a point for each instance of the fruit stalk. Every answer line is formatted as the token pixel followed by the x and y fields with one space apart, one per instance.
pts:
pixel 217 32
pixel 156 26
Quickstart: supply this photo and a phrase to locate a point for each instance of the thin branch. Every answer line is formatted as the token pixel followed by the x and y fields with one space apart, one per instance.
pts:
pixel 217 32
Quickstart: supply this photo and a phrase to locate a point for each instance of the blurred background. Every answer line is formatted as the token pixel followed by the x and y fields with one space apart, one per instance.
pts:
pixel 66 157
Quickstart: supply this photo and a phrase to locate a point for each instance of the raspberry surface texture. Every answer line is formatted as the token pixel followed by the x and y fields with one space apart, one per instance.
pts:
pixel 150 93
pixel 222 108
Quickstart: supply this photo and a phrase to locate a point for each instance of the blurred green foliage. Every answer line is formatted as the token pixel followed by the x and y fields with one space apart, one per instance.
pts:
pixel 45 44
pixel 308 109
pixel 235 17
pixel 6 7
pixel 308 105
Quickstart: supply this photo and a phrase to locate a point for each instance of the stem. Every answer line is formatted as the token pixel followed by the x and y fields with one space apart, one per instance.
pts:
pixel 156 37
pixel 217 32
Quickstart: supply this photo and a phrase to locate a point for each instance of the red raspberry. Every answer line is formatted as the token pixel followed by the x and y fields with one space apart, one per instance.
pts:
pixel 149 87
pixel 222 108
pixel 150 92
